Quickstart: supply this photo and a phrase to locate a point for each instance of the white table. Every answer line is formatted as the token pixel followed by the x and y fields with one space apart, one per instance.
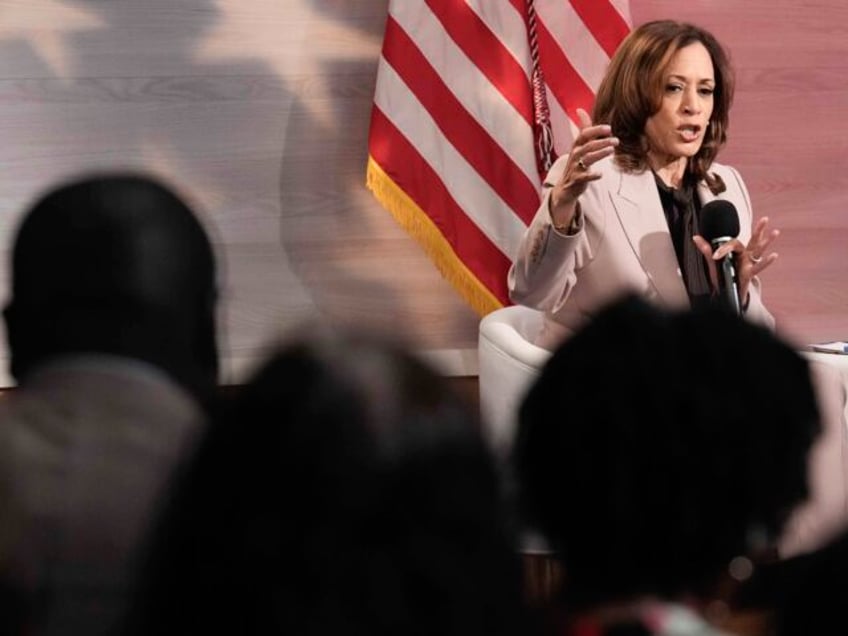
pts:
pixel 840 361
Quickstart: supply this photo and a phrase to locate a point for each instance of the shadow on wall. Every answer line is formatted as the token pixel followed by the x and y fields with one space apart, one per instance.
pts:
pixel 357 262
pixel 173 89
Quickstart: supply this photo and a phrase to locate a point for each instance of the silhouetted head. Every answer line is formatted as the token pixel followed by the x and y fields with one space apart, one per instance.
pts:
pixel 655 447
pixel 116 265
pixel 347 491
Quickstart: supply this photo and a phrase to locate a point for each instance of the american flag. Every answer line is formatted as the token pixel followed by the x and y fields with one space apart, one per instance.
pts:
pixel 474 100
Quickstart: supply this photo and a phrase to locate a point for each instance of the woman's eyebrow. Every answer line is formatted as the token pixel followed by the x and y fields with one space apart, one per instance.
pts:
pixel 684 78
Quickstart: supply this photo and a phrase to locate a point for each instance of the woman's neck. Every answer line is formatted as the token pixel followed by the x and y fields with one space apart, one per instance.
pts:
pixel 670 171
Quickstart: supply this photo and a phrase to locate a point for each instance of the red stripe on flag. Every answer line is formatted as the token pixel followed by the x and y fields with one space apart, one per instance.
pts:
pixel 564 81
pixel 458 125
pixel 604 22
pixel 402 162
pixel 487 53
pixel 399 175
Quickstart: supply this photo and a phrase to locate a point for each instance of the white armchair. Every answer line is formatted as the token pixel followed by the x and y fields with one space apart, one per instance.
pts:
pixel 508 363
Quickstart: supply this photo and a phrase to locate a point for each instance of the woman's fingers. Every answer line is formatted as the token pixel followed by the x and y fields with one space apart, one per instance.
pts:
pixel 585 119
pixel 751 259
pixel 706 249
pixel 588 158
pixel 591 150
pixel 761 238
pixel 733 245
pixel 757 248
pixel 601 146
pixel 592 144
pixel 760 265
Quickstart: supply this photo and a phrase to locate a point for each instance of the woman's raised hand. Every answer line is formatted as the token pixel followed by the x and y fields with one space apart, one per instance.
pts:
pixel 592 144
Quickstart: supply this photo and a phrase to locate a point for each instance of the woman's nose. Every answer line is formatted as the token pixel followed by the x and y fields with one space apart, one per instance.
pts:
pixel 691 102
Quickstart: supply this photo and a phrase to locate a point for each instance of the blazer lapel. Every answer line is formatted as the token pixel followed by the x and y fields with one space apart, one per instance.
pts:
pixel 640 212
pixel 705 195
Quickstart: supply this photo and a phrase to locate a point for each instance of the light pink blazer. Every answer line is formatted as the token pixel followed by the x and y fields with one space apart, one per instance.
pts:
pixel 623 245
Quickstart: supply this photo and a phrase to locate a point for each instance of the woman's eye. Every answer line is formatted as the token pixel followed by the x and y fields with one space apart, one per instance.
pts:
pixel 673 88
pixel 706 91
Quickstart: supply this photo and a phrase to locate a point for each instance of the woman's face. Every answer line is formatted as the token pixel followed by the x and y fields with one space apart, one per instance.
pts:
pixel 677 130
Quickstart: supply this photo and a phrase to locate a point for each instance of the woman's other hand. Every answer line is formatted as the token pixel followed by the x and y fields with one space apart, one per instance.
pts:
pixel 750 259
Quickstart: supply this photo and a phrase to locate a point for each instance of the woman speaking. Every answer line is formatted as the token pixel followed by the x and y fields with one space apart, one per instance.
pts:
pixel 621 213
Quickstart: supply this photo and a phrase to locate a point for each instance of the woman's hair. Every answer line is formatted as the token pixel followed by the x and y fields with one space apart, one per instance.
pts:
pixel 346 490
pixel 633 86
pixel 656 447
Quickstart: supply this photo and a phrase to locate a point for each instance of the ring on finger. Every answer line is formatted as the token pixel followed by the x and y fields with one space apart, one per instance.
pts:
pixel 756 259
pixel 582 164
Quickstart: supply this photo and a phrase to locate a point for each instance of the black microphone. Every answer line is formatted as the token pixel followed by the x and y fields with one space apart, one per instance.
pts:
pixel 719 224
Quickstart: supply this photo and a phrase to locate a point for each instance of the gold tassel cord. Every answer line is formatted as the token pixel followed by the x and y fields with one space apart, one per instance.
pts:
pixel 416 222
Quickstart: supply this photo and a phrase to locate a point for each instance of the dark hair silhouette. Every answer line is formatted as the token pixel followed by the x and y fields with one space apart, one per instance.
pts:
pixel 115 264
pixel 346 490
pixel 656 447
pixel 810 598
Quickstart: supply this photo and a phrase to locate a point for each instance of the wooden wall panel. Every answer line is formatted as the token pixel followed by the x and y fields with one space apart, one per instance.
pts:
pixel 788 137
pixel 258 112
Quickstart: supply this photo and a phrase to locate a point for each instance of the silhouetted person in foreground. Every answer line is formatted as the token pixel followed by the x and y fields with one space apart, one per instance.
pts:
pixel 811 597
pixel 347 491
pixel 660 472
pixel 112 334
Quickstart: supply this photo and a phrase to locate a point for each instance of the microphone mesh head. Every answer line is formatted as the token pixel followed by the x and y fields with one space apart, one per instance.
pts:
pixel 718 219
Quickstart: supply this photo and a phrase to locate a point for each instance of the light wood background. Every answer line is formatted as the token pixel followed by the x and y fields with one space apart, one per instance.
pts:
pixel 258 110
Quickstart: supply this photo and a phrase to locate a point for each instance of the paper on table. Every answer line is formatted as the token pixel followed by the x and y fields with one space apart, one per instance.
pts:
pixel 837 346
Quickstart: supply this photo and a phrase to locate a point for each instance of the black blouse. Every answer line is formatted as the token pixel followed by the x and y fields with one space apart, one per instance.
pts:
pixel 682 208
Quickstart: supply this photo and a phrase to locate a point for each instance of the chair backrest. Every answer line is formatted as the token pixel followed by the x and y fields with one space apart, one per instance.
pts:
pixel 508 363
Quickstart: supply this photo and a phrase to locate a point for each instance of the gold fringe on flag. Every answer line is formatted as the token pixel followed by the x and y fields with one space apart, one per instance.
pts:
pixel 415 221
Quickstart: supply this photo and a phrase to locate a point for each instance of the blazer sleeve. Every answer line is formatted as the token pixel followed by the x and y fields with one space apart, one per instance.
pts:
pixel 543 272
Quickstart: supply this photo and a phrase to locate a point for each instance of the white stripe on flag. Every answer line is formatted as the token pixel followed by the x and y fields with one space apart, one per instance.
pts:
pixel 576 41
pixel 485 103
pixel 623 8
pixel 472 193
pixel 564 130
pixel 494 127
pixel 508 25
